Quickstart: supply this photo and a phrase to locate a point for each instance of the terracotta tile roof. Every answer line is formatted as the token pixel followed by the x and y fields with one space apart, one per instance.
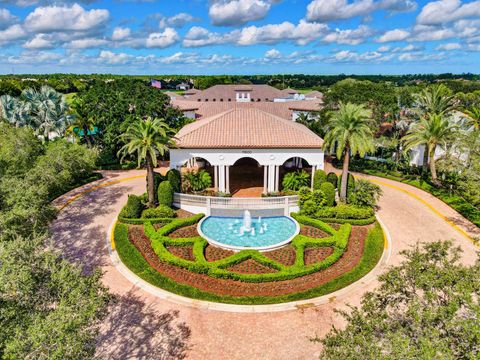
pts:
pixel 224 92
pixel 305 105
pixel 246 128
pixel 314 94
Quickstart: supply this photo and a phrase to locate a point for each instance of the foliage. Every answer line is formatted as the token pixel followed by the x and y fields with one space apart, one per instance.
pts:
pixel 350 183
pixel 134 207
pixel 349 133
pixel 196 181
pixel 474 116
pixel 157 179
pixel 329 191
pixel 48 308
pixel 175 178
pixel 366 194
pixel 161 211
pixel 165 194
pixel 295 180
pixel 436 99
pixel 333 179
pixel 146 138
pixel 319 178
pixel 347 212
pixel 426 307
pixel 131 257
pixel 82 120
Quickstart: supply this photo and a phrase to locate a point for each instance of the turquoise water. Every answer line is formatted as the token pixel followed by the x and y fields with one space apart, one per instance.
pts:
pixel 226 230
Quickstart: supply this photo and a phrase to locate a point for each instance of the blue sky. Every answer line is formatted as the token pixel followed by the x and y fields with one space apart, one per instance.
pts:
pixel 239 36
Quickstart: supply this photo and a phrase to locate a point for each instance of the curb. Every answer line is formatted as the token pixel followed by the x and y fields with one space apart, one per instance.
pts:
pixel 224 307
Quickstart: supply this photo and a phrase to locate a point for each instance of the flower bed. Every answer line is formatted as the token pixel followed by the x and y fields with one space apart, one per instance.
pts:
pixel 310 266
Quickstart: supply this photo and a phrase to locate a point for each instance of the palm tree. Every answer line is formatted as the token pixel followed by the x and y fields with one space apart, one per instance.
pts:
pixel 146 138
pixel 431 131
pixel 82 120
pixel 47 110
pixel 349 131
pixel 12 110
pixel 435 99
pixel 474 116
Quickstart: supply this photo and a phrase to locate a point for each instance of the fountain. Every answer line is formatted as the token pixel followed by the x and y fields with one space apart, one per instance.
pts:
pixel 247 221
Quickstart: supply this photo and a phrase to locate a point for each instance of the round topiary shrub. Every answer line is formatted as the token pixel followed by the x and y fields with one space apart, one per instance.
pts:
pixel 160 211
pixel 318 197
pixel 175 179
pixel 319 178
pixel 333 179
pixel 309 208
pixel 165 194
pixel 134 207
pixel 329 191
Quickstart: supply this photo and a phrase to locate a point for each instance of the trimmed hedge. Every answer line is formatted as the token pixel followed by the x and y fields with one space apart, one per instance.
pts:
pixel 134 207
pixel 319 178
pixel 329 190
pixel 165 194
pixel 161 211
pixel 175 179
pixel 132 258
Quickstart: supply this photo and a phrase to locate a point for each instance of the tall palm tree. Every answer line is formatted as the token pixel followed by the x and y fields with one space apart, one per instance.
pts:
pixel 435 99
pixel 349 131
pixel 474 116
pixel 431 131
pixel 12 110
pixel 146 138
pixel 82 120
pixel 47 110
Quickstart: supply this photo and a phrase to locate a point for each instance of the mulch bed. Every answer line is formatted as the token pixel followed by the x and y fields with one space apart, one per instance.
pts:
pixel 213 253
pixel 183 214
pixel 251 266
pixel 185 232
pixel 184 252
pixel 350 258
pixel 312 232
pixel 284 255
pixel 313 255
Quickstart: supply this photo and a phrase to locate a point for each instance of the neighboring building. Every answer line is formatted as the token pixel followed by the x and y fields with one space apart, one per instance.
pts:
pixel 183 86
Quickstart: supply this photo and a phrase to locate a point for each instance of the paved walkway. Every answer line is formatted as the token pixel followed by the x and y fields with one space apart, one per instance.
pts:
pixel 141 326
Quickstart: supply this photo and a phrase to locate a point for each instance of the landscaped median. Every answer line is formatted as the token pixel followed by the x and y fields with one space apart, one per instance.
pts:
pixel 323 258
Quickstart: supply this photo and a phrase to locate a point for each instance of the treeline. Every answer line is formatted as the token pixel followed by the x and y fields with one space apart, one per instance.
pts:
pixel 70 83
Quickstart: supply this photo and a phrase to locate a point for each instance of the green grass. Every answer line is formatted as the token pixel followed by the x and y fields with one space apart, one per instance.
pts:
pixel 132 258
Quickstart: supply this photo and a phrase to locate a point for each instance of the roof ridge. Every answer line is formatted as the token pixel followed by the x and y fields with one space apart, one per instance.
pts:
pixel 201 123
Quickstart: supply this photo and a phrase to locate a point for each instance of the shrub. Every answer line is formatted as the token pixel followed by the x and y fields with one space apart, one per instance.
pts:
pixel 333 179
pixel 309 207
pixel 350 183
pixel 319 178
pixel 329 191
pixel 366 194
pixel 160 211
pixel 304 194
pixel 353 212
pixel 196 181
pixel 175 179
pixel 326 213
pixel 134 207
pixel 318 196
pixel 295 180
pixel 165 194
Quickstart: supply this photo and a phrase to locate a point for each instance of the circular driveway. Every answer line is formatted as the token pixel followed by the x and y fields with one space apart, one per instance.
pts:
pixel 140 325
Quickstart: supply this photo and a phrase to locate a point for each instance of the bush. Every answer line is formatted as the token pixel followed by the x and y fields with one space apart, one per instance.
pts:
pixel 318 197
pixel 196 181
pixel 333 179
pixel 309 207
pixel 134 207
pixel 326 213
pixel 350 184
pixel 319 178
pixel 295 180
pixel 366 194
pixel 353 212
pixel 175 179
pixel 329 191
pixel 165 194
pixel 304 194
pixel 160 211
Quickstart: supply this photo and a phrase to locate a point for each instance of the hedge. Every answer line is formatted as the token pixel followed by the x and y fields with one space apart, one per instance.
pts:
pixel 134 207
pixel 175 179
pixel 165 193
pixel 133 259
pixel 161 211
pixel 319 178
pixel 329 190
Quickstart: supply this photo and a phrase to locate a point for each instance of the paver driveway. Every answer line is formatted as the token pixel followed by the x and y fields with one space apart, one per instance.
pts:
pixel 142 326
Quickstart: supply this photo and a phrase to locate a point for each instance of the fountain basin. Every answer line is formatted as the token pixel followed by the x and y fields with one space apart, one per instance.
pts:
pixel 265 234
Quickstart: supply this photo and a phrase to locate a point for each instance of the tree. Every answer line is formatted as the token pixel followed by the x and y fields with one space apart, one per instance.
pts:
pixel 349 132
pixel 425 308
pixel 146 139
pixel 474 116
pixel 431 131
pixel 12 110
pixel 82 120
pixel 436 99
pixel 47 111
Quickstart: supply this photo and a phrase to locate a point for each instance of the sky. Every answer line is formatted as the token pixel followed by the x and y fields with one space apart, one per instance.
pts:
pixel 239 36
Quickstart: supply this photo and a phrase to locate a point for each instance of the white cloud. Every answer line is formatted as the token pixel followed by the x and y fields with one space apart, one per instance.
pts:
pixel 40 41
pixel 162 39
pixel 198 36
pixel 273 54
pixel 328 10
pixel 65 18
pixel 87 43
pixel 175 21
pixel 449 47
pixel 384 48
pixel 35 57
pixel 111 58
pixel 350 36
pixel 120 33
pixel 6 18
pixel 419 56
pixel 445 11
pixel 353 56
pixel 238 12
pixel 14 32
pixel 394 35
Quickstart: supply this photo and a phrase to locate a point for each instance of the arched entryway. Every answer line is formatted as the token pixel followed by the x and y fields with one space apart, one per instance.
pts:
pixel 295 164
pixel 246 178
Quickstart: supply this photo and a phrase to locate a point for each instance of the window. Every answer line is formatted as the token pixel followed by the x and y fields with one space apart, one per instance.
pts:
pixel 221 99
pixel 229 99
pixel 214 100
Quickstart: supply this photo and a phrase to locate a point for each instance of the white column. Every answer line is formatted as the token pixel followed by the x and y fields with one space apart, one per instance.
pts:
pixel 215 177
pixel 227 175
pixel 271 178
pixel 314 168
pixel 277 177
pixel 265 179
pixel 221 178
